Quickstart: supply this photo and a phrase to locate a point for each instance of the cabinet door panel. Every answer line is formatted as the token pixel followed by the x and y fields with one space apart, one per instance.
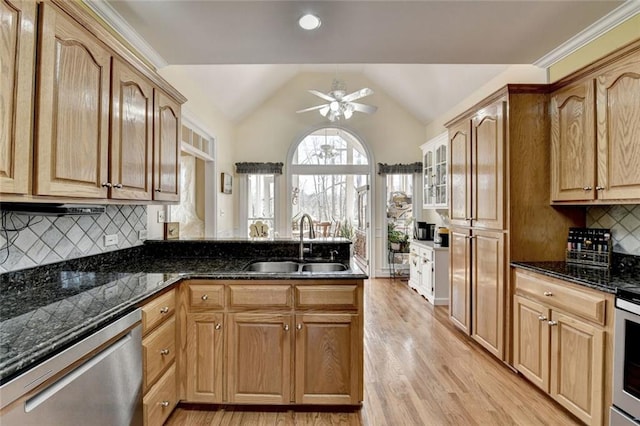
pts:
pixel 259 358
pixel 204 354
pixel 17 23
pixel 577 367
pixel 488 291
pixel 73 110
pixel 166 148
pixel 573 143
pixel 488 167
pixel 531 341
pixel 460 279
pixel 327 354
pixel 131 135
pixel 460 173
pixel 619 131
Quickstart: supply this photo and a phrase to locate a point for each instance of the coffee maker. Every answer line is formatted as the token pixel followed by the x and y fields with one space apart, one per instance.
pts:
pixel 424 231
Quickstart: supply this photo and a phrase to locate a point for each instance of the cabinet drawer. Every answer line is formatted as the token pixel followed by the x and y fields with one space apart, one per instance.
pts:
pixel 328 296
pixel 259 296
pixel 159 402
pixel 159 351
pixel 585 303
pixel 159 309
pixel 206 296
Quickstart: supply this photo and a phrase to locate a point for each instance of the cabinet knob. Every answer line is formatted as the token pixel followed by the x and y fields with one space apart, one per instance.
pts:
pixel 204 297
pixel 587 188
pixel 542 318
pixel 164 403
pixel 548 293
pixel 218 326
pixel 106 184
pixel 599 188
pixel 158 190
pixel 552 323
pixel 286 327
pixel 118 186
pixel 299 326
pixel 164 310
pixel 164 352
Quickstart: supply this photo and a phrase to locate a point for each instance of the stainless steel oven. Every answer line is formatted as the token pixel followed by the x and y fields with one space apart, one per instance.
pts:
pixel 626 364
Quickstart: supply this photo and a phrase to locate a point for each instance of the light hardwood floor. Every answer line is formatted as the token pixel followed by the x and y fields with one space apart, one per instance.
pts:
pixel 419 370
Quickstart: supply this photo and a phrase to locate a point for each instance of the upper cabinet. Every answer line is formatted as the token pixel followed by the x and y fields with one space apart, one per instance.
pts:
pixel 595 129
pixel 72 124
pixel 460 173
pixel 17 34
pixel 99 112
pixel 434 174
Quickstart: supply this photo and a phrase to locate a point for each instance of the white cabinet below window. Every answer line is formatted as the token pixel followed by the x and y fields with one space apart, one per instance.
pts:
pixel 434 172
pixel 429 271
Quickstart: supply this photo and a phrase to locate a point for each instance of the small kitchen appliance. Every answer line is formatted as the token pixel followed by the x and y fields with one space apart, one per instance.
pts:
pixel 441 238
pixel 424 231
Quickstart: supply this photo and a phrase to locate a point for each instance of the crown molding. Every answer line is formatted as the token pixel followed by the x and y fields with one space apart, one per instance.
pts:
pixel 617 16
pixel 109 15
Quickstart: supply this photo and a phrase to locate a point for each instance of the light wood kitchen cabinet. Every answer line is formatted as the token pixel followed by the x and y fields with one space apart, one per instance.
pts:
pixel 594 131
pixel 166 147
pixel 131 155
pixel 488 291
pixel 460 278
pixel 72 127
pixel 563 343
pixel 204 357
pixel 17 40
pixel 460 173
pixel 259 358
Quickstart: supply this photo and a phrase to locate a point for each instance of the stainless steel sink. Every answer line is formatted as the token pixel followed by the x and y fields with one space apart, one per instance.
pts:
pixel 273 267
pixel 323 267
pixel 290 267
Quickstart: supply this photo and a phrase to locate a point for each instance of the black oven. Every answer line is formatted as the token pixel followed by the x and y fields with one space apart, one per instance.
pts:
pixel 626 364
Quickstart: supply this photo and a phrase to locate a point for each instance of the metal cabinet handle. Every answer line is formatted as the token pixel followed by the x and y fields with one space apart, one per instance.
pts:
pixel 218 326
pixel 164 352
pixel 286 327
pixel 164 310
pixel 158 190
pixel 204 297
pixel 599 188
pixel 106 184
pixel 542 318
pixel 548 293
pixel 165 403
pixel 552 323
pixel 118 186
pixel 587 188
pixel 299 326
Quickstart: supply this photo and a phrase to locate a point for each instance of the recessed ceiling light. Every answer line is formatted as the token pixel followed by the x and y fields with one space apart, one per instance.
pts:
pixel 309 22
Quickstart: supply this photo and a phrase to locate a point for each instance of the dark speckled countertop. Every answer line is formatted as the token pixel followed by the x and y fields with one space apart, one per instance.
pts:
pixel 624 273
pixel 46 309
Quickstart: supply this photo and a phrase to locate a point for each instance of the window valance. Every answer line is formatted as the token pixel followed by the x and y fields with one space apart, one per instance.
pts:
pixel 397 169
pixel 260 168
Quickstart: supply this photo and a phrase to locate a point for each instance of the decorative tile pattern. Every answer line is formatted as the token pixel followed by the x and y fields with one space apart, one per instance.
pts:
pixel 624 222
pixel 51 239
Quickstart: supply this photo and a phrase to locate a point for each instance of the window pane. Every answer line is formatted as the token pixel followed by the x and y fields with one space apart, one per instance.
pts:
pixel 330 146
pixel 261 201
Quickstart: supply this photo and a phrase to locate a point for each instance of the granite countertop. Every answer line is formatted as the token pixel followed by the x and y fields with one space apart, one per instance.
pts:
pixel 624 274
pixel 45 309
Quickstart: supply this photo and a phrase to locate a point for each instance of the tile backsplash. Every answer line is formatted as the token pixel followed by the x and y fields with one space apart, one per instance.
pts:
pixel 50 239
pixel 624 222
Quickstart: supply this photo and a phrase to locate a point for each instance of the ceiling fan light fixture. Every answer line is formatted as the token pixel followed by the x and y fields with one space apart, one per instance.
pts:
pixel 309 22
pixel 334 106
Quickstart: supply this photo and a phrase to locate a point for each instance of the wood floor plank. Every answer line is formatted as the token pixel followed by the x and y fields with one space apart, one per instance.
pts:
pixel 419 370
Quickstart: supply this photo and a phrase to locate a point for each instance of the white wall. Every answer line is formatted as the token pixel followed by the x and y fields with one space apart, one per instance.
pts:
pixel 392 134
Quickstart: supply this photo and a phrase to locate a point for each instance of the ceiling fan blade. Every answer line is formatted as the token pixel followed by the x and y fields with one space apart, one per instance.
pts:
pixel 324 111
pixel 322 95
pixel 357 94
pixel 367 109
pixel 313 108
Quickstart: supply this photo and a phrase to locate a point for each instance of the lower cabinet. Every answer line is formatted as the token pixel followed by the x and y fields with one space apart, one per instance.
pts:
pixel 560 343
pixel 271 342
pixel 429 272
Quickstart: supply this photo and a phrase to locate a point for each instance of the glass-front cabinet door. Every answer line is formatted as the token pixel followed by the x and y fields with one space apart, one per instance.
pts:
pixel 434 158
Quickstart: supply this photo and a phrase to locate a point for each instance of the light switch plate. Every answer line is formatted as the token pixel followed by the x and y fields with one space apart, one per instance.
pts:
pixel 110 240
pixel 162 217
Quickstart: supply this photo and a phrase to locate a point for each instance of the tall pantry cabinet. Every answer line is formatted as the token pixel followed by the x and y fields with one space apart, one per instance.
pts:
pixel 499 208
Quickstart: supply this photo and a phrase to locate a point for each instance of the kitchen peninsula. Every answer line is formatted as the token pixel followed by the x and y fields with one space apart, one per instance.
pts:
pixel 214 332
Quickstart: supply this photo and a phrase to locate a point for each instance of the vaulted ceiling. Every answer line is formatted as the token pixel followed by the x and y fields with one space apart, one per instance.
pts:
pixel 428 55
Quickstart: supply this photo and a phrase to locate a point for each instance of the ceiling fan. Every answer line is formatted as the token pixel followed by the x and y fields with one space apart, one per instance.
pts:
pixel 339 103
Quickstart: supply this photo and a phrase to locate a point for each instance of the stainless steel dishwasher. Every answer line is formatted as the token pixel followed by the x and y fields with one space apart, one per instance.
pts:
pixel 97 381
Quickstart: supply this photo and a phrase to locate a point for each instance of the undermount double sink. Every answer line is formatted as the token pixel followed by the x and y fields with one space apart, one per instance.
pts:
pixel 291 267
